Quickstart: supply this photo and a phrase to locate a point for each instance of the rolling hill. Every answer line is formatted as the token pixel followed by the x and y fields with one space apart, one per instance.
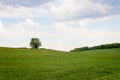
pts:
pixel 46 64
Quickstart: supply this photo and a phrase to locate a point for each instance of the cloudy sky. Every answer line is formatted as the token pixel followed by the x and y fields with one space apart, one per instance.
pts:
pixel 59 24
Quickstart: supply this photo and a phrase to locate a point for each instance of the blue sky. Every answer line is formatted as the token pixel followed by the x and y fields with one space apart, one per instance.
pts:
pixel 59 24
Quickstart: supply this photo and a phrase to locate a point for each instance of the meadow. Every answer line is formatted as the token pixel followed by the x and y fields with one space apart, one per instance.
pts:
pixel 46 64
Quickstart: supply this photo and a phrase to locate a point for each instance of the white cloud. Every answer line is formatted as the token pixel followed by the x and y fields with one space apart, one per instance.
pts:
pixel 74 9
pixel 21 11
pixel 60 35
pixel 62 9
pixel 1 26
pixel 22 29
pixel 81 23
pixel 2 31
pixel 76 37
pixel 27 3
pixel 19 35
pixel 28 23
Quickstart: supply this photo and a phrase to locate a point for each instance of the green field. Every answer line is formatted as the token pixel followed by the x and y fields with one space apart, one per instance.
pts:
pixel 43 64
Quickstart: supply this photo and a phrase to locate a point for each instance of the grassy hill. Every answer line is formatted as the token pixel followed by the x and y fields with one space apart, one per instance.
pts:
pixel 44 64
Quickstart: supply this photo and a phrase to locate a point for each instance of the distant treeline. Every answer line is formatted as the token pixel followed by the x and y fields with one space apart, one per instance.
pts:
pixel 104 46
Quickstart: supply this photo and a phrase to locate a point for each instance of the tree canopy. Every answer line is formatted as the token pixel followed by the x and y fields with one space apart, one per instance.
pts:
pixel 103 46
pixel 35 43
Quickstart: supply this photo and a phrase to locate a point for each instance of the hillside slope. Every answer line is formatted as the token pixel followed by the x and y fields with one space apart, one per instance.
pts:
pixel 44 64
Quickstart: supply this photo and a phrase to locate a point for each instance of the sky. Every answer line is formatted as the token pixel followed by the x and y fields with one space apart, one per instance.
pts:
pixel 59 24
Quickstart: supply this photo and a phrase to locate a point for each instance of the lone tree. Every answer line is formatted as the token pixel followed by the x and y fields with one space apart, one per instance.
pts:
pixel 35 43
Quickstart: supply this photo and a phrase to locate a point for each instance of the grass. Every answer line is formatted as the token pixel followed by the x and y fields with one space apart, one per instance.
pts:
pixel 31 64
